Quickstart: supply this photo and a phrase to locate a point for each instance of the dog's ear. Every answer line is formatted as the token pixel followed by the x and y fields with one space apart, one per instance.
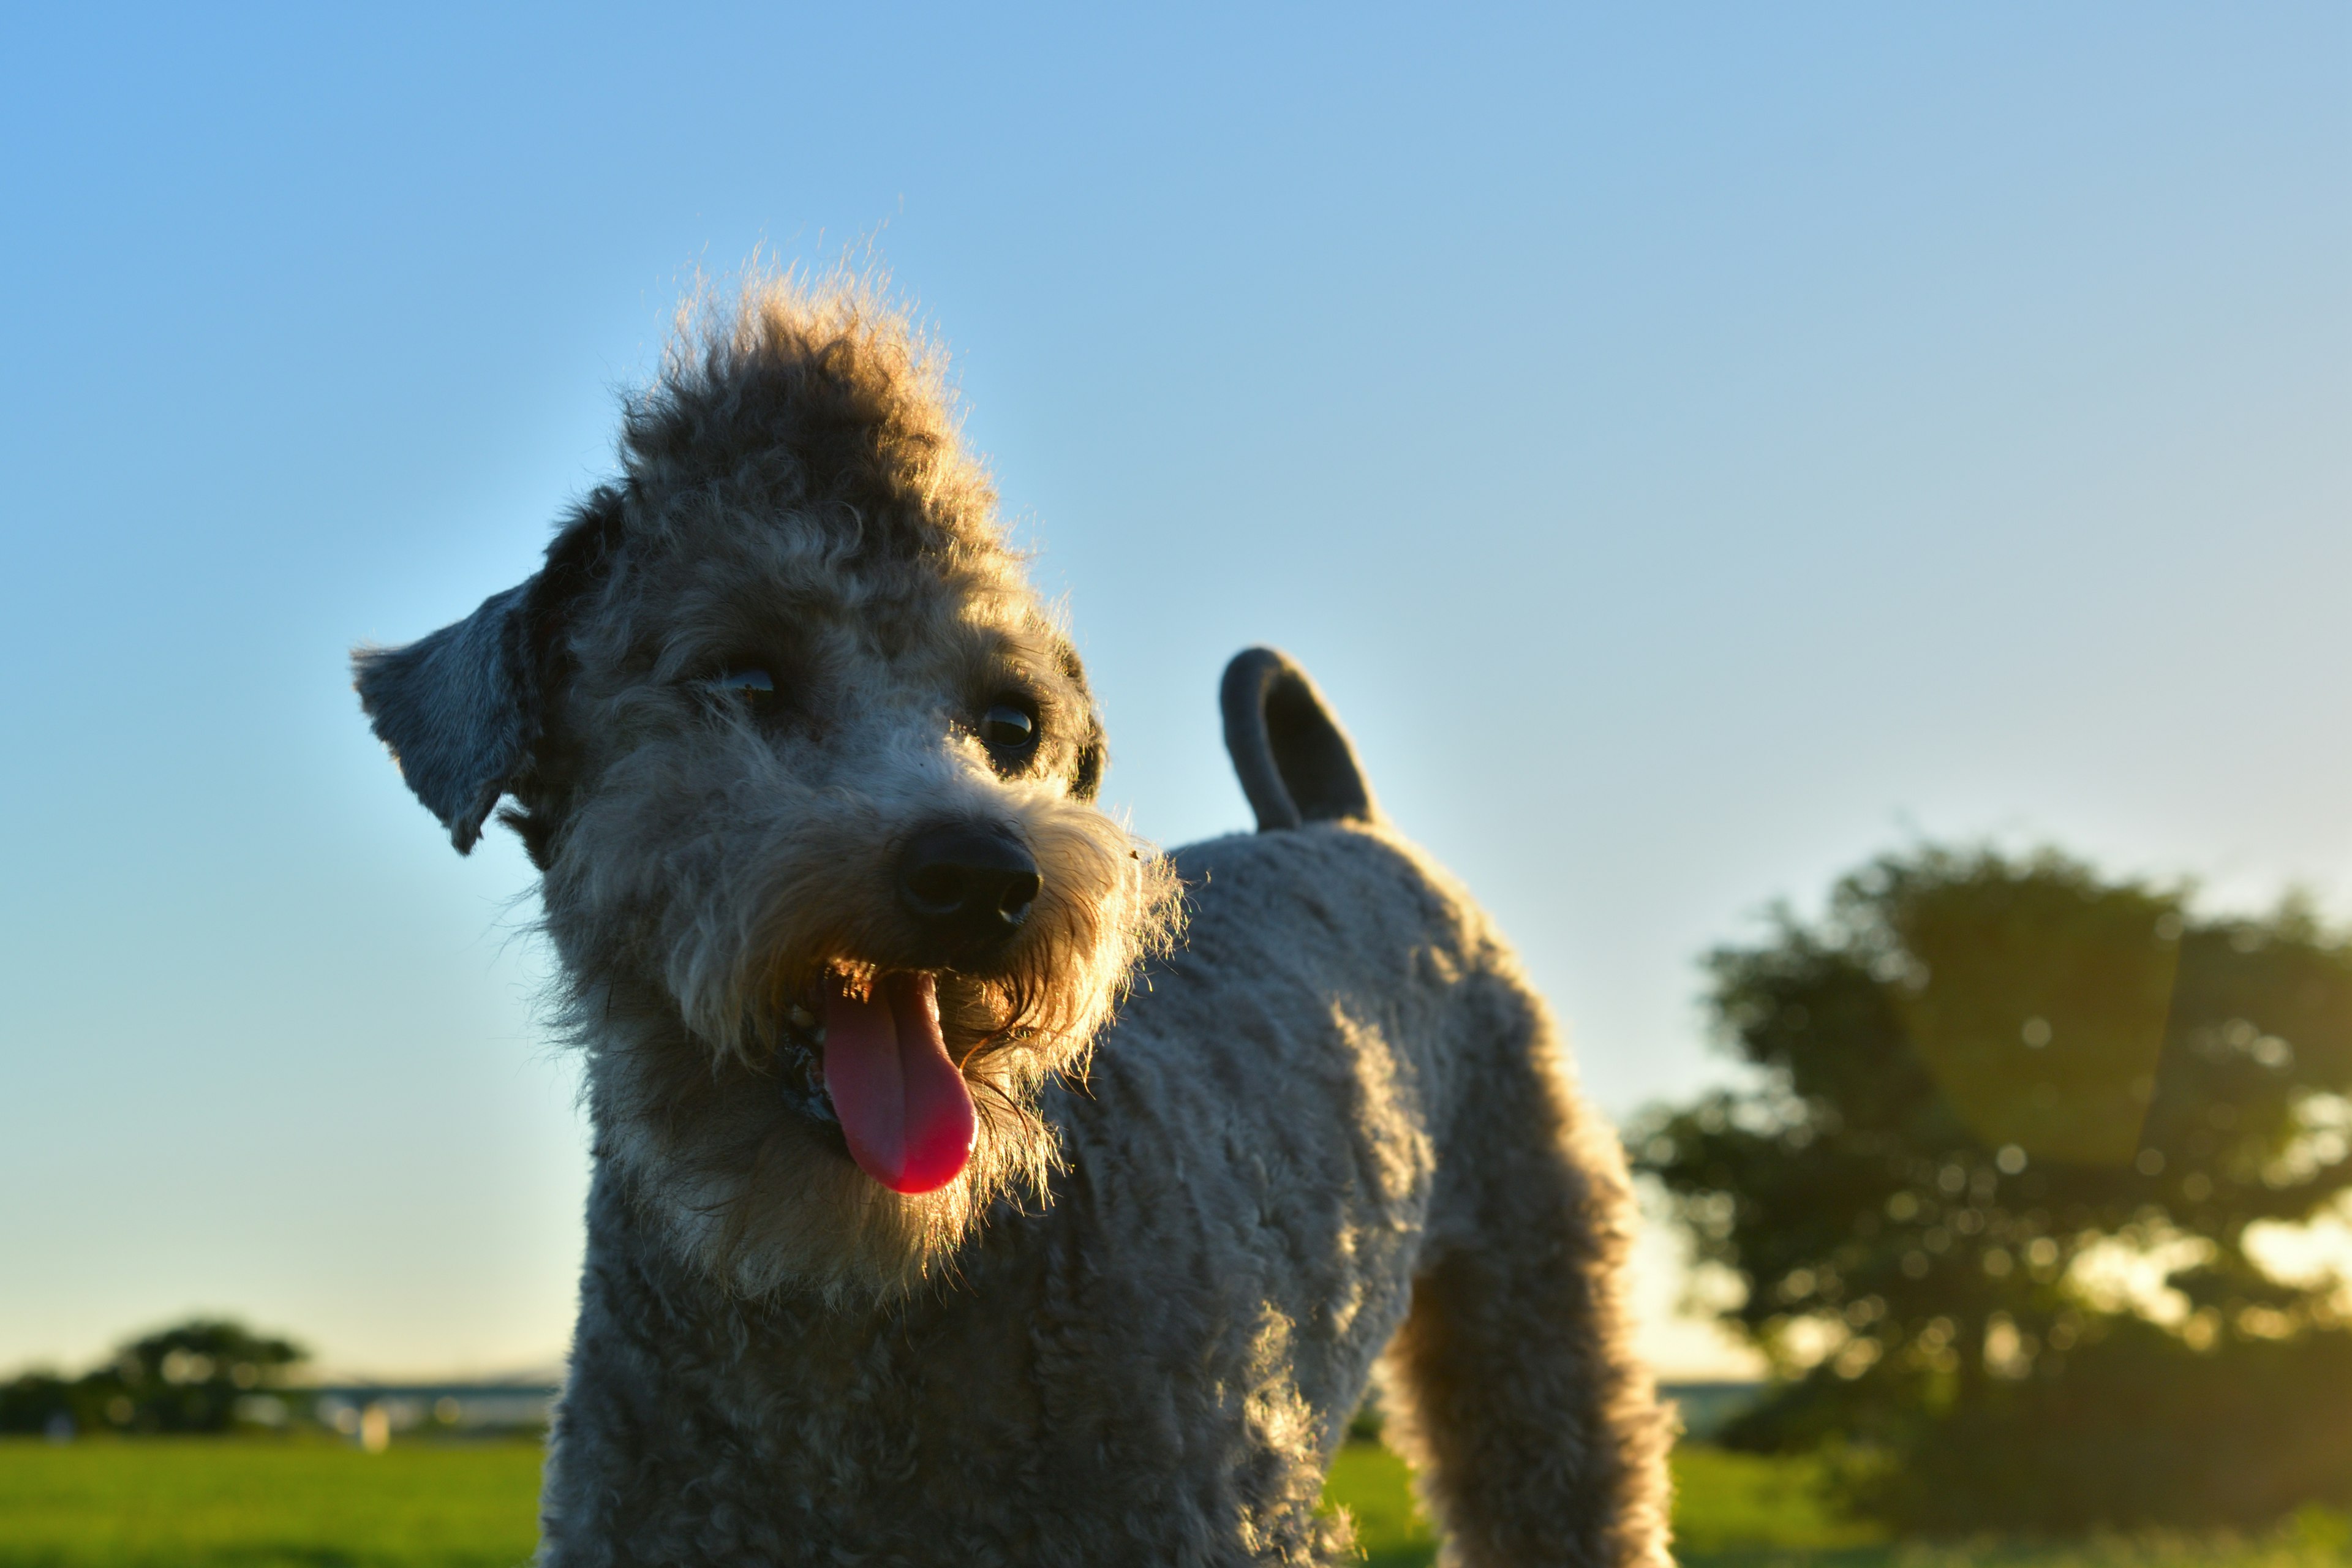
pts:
pixel 459 710
pixel 1294 761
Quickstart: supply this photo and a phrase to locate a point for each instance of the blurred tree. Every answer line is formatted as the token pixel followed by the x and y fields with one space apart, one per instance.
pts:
pixel 186 1378
pixel 1995 1191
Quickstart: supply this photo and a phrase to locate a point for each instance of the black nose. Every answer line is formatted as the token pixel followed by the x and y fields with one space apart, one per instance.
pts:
pixel 968 889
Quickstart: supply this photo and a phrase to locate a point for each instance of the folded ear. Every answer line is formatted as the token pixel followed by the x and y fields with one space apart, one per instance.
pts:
pixel 1294 761
pixel 459 710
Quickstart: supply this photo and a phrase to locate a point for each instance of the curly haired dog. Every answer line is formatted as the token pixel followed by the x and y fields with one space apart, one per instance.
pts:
pixel 899 1250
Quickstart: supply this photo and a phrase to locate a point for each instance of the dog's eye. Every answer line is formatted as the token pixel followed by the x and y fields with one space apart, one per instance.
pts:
pixel 751 683
pixel 1008 727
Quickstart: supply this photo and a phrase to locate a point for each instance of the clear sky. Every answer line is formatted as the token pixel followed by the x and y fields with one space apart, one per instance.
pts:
pixel 1697 448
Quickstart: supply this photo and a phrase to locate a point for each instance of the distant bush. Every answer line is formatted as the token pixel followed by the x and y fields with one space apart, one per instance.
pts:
pixel 37 1401
pixel 186 1378
pixel 1991 1196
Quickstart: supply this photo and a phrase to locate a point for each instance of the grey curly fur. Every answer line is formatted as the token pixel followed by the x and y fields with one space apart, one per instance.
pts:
pixel 1330 1133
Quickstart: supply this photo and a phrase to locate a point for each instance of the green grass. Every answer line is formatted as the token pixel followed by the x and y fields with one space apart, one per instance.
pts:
pixel 1373 1485
pixel 1731 1509
pixel 1742 1508
pixel 200 1503
pixel 1741 1511
pixel 209 1504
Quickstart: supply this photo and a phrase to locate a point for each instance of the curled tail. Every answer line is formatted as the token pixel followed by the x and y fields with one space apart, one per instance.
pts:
pixel 1294 761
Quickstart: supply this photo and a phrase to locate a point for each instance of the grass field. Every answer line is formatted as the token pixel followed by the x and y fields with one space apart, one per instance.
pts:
pixel 200 1504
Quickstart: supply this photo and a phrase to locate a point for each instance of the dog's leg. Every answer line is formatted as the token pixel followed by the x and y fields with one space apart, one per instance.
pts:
pixel 1512 1386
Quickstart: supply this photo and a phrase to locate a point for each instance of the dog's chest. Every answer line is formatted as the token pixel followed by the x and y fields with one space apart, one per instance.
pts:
pixel 1047 1411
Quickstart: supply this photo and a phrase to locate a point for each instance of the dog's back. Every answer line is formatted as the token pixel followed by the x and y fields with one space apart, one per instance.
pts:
pixel 1339 1120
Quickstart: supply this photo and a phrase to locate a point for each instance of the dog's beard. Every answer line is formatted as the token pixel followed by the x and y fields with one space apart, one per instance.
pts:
pixel 694 1076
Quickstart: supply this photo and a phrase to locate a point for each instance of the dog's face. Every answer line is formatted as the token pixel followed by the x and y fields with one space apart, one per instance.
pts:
pixel 810 777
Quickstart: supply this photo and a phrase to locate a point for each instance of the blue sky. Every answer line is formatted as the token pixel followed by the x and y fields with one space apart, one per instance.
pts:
pixel 1697 448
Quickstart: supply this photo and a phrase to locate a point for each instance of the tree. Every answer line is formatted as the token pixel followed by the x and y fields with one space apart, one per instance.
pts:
pixel 186 1378
pixel 1994 1194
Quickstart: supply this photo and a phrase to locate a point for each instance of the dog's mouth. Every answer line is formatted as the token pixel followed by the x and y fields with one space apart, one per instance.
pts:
pixel 904 1108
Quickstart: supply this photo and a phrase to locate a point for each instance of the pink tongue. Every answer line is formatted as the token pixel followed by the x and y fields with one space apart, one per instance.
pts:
pixel 902 1103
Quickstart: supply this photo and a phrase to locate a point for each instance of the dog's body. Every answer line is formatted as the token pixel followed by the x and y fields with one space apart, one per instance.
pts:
pixel 1157 1368
pixel 879 1269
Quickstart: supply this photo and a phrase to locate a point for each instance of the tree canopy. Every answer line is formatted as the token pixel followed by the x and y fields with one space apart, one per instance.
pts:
pixel 1996 1188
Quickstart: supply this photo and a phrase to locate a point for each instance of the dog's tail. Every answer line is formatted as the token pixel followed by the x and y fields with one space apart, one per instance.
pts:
pixel 1295 761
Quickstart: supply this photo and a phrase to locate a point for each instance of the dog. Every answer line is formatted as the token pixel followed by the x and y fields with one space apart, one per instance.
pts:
pixel 971 1184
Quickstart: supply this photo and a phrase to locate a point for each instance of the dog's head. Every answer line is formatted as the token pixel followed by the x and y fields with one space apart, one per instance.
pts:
pixel 809 774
